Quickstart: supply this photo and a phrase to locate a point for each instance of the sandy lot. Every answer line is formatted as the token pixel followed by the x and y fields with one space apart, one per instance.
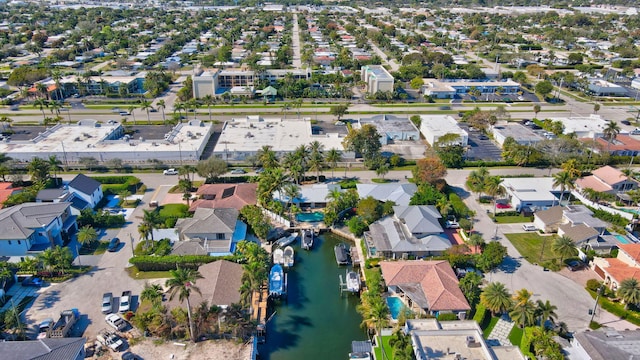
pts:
pixel 212 349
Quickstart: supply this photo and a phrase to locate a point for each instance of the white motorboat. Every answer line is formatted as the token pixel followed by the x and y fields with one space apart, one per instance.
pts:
pixel 353 281
pixel 288 257
pixel 287 240
pixel 307 239
pixel 278 256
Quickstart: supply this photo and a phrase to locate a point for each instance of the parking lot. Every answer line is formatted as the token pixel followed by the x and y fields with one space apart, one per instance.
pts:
pixel 481 147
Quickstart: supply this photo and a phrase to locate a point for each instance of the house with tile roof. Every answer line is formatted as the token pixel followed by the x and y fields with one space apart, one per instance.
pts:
pixel 230 196
pixel 398 193
pixel 6 190
pixel 607 179
pixel 30 228
pixel 86 188
pixel 425 287
pixel 44 349
pixel 626 265
pixel 310 196
pixel 210 231
pixel 413 230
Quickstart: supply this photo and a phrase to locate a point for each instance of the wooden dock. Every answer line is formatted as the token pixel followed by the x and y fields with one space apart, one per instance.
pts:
pixel 259 304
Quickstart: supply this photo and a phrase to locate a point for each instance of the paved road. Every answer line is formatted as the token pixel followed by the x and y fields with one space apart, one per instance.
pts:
pixel 295 43
pixel 385 59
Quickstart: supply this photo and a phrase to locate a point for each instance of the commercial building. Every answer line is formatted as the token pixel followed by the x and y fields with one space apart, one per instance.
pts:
pixel 107 141
pixel 239 81
pixel 599 87
pixel 377 78
pixel 392 128
pixel 591 126
pixel 433 127
pixel 244 137
pixel 521 134
pixel 449 89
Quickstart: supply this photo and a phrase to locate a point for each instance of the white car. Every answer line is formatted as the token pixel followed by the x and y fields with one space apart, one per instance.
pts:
pixel 116 322
pixel 110 339
pixel 452 224
pixel 125 302
pixel 529 227
pixel 170 172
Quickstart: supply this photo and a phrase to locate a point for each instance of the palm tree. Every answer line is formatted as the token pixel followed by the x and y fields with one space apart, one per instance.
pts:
pixel 124 194
pixel 476 240
pixel 565 181
pixel 5 274
pixel 54 165
pixel 41 104
pixel 476 180
pixel 181 284
pixel 316 158
pixel 87 235
pixel 152 293
pixel 564 247
pixel 146 105
pixel 332 158
pixel 496 298
pixel 131 109
pixel 546 311
pixel 629 292
pixel 492 188
pixel 193 105
pixel 161 105
pixel 523 313
pixel 209 100
pixel 610 132
pixel 267 157
pixel 291 191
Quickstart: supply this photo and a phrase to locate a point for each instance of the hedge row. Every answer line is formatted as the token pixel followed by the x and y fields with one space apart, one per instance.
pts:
pixel 480 315
pixel 171 262
pixel 117 179
pixel 525 342
pixel 459 206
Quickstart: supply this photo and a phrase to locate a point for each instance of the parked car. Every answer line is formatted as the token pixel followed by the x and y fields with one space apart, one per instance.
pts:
pixel 452 224
pixel 113 244
pixel 503 206
pixel 238 171
pixel 116 322
pixel 259 170
pixel 125 302
pixel 575 265
pixel 107 303
pixel 110 339
pixel 170 172
pixel 44 327
pixel 130 356
pixel 635 131
pixel 32 281
pixel 625 122
pixel 528 227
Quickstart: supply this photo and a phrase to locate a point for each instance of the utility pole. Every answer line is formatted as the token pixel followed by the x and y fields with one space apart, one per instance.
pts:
pixel 595 306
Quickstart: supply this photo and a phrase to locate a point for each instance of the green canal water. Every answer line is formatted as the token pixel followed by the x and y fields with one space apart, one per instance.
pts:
pixel 316 322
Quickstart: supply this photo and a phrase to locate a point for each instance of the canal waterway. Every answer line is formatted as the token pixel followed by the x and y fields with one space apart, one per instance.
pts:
pixel 316 322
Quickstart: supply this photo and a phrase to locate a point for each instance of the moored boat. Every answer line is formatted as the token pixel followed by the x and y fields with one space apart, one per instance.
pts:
pixel 340 251
pixel 288 257
pixel 287 240
pixel 278 256
pixel 276 281
pixel 307 239
pixel 353 281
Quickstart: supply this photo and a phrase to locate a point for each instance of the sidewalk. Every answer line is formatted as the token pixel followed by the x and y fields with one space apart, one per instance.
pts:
pixel 501 332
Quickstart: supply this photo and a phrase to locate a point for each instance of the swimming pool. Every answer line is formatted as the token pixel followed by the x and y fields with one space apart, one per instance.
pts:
pixel 112 201
pixel 395 306
pixel 310 217
pixel 623 239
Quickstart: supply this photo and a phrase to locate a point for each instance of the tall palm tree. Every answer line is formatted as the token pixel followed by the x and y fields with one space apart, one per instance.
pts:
pixel 496 298
pixel 291 192
pixel 162 105
pixel 267 157
pixel 564 247
pixel 629 291
pixel 476 180
pixel 492 188
pixel 546 311
pixel 131 110
pixel 181 283
pixel 610 132
pixel 152 293
pixel 41 104
pixel 54 165
pixel 87 235
pixel 565 181
pixel 209 100
pixel 146 106
pixel 316 158
pixel 332 158
pixel 476 240
pixel 523 313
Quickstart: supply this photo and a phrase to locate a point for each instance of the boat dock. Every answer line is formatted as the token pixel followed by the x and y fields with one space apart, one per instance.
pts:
pixel 259 304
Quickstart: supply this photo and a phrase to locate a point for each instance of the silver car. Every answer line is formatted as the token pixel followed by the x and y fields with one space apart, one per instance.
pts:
pixel 107 303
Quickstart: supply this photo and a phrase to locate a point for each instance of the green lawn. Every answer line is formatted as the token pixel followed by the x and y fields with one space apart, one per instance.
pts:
pixel 515 336
pixel 387 348
pixel 530 246
pixel 513 219
pixel 492 323
pixel 174 210
pixel 134 273
pixel 97 248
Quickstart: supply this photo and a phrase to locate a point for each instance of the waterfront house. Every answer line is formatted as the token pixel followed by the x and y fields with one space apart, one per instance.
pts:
pixel 235 196
pixel 310 196
pixel 6 190
pixel 86 188
pixel 425 287
pixel 400 194
pixel 413 230
pixel 432 339
pixel 210 231
pixel 30 228
pixel 626 265
pixel 607 179
pixel 220 284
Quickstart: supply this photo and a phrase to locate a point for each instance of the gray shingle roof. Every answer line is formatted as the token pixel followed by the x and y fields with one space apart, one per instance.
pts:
pixel 610 345
pixel 44 349
pixel 420 219
pixel 210 221
pixel 84 184
pixel 18 222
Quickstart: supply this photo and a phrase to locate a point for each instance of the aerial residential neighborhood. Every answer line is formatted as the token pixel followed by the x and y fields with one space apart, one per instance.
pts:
pixel 319 180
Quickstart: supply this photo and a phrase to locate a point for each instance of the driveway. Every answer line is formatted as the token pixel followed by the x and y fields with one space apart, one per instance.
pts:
pixel 108 275
pixel 572 300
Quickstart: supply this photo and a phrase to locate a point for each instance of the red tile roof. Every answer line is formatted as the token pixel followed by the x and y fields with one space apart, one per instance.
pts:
pixel 436 278
pixel 7 190
pixel 620 270
pixel 622 143
pixel 234 196
pixel 609 175
pixel 633 250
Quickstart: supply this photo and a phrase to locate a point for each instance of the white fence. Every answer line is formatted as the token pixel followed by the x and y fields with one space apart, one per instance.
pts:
pixel 586 201
pixel 277 218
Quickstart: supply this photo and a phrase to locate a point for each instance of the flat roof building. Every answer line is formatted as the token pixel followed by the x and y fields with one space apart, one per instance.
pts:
pixel 521 134
pixel 449 89
pixel 531 193
pixel 243 137
pixel 238 81
pixel 377 78
pixel 106 141
pixel 392 128
pixel 433 127
pixel 591 126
